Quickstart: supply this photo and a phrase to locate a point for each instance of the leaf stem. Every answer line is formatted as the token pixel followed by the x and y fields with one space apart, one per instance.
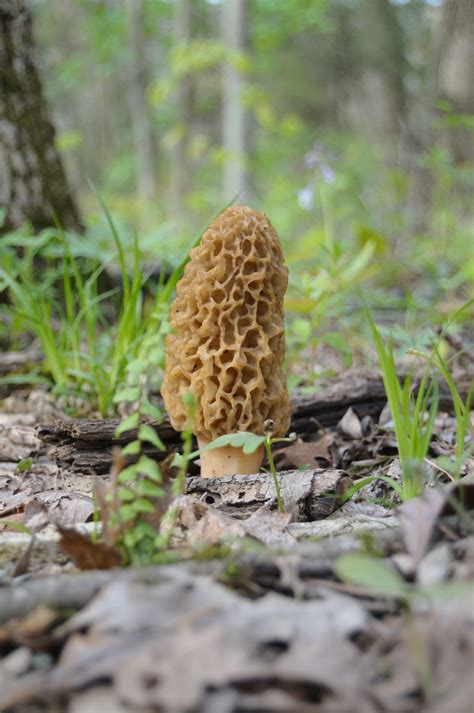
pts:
pixel 268 448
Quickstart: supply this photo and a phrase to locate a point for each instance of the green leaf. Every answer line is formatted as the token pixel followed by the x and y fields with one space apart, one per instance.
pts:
pixel 143 505
pixel 18 526
pixel 126 494
pixel 147 488
pixel 24 379
pixel 126 513
pixel 147 433
pixel 128 473
pixel 128 394
pixel 24 465
pixel 372 574
pixel 249 442
pixel 131 449
pixel 127 424
pixel 147 466
pixel 148 409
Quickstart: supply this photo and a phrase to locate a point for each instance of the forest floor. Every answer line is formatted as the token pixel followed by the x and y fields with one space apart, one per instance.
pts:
pixel 343 606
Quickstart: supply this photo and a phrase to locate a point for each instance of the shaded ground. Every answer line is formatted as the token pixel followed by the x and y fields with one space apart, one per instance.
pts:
pixel 328 607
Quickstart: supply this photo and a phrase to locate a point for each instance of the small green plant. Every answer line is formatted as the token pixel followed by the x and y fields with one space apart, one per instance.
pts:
pixel 462 414
pixel 380 577
pixel 413 428
pixel 249 442
pixel 83 353
pixel 329 271
pixel 138 488
pixel 462 410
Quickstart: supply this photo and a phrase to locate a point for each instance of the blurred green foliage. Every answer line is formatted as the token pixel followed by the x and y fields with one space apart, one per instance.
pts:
pixel 355 207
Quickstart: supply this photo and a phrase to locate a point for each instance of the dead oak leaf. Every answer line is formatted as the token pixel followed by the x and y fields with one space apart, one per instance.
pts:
pixel 307 455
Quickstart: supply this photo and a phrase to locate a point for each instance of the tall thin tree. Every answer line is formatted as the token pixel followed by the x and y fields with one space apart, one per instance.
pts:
pixel 235 125
pixel 139 104
pixel 183 102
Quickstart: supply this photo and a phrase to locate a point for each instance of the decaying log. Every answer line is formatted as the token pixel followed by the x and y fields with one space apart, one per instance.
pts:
pixel 86 444
pixel 365 393
pixel 308 495
pixel 98 460
pixel 87 433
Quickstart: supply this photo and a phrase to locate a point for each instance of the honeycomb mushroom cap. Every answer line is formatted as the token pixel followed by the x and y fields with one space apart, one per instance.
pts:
pixel 228 344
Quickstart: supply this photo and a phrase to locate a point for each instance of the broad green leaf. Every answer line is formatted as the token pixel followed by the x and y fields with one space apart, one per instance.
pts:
pixel 147 466
pixel 372 574
pixel 128 394
pixel 126 494
pixel 126 513
pixel 249 442
pixel 143 505
pixel 131 449
pixel 148 409
pixel 147 433
pixel 127 474
pixel 127 424
pixel 147 488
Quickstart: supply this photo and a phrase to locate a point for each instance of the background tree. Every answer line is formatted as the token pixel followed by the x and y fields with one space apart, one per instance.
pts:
pixel 456 78
pixel 139 104
pixel 235 120
pixel 183 105
pixel 33 184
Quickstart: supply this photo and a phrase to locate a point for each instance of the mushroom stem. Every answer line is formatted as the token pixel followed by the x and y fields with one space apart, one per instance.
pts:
pixel 228 460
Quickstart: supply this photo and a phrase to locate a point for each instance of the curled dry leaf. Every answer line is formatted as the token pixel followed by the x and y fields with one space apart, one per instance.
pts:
pixel 87 554
pixel 419 515
pixel 350 424
pixel 306 455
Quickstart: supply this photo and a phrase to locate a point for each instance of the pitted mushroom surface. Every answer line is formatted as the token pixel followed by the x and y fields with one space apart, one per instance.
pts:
pixel 227 344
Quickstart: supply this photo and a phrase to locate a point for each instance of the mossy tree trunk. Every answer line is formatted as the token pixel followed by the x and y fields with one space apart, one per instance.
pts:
pixel 33 183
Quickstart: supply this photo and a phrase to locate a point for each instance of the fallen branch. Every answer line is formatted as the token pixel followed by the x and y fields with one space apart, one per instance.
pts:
pixel 308 495
pixel 85 445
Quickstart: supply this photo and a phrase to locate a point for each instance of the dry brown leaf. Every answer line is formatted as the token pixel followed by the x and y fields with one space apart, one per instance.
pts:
pixel 87 554
pixel 418 516
pixel 301 454
pixel 21 567
pixel 33 626
pixel 350 424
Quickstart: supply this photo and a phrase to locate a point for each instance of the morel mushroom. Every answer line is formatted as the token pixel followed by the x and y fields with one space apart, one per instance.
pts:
pixel 228 342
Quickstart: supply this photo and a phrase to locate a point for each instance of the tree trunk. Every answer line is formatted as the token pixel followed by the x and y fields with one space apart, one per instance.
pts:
pixel 385 64
pixel 456 77
pixel 183 99
pixel 139 106
pixel 33 184
pixel 234 115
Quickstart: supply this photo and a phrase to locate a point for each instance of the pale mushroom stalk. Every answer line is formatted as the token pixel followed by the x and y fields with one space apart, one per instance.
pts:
pixel 228 460
pixel 227 346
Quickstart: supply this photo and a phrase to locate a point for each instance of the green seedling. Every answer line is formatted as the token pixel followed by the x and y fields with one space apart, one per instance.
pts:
pixel 413 417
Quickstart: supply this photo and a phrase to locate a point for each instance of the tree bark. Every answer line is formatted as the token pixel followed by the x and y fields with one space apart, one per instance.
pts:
pixel 139 106
pixel 33 183
pixel 234 115
pixel 385 64
pixel 456 76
